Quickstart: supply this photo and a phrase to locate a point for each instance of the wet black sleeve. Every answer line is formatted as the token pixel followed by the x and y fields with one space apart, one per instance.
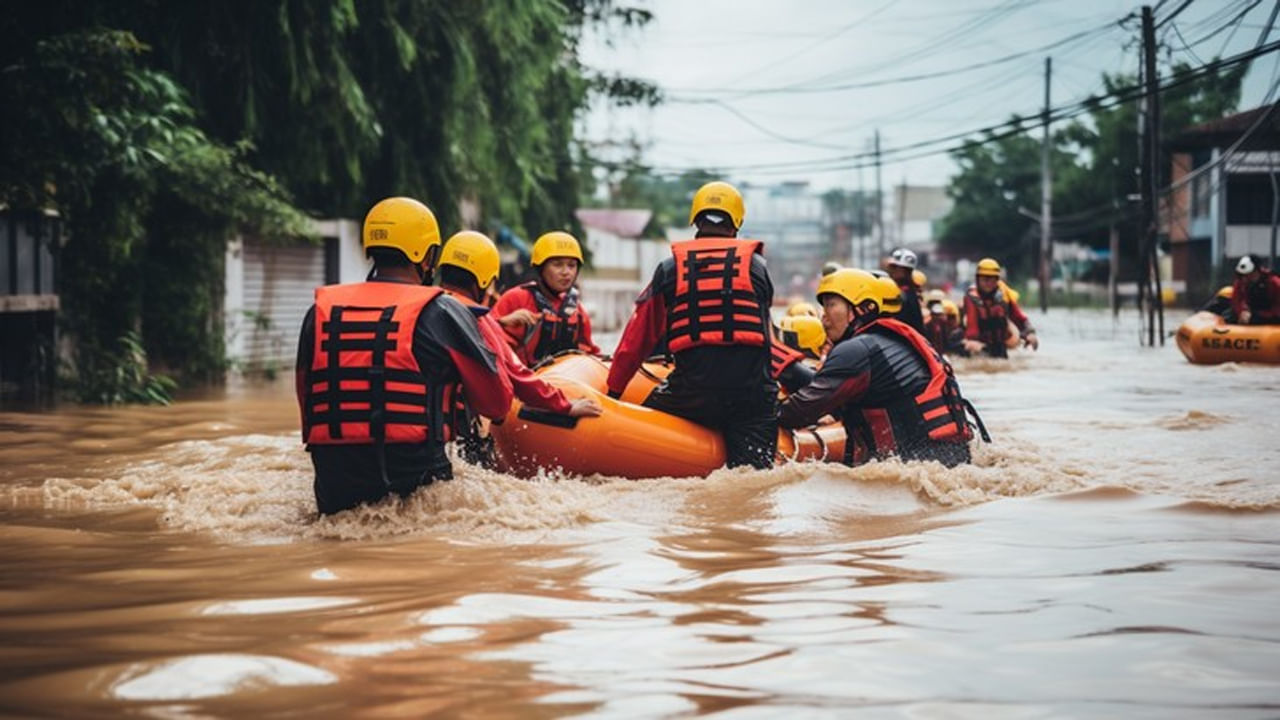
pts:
pixel 796 375
pixel 306 340
pixel 446 323
pixel 911 314
pixel 763 285
pixel 844 377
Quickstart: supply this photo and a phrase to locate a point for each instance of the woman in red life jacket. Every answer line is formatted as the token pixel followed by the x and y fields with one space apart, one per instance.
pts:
pixel 1255 296
pixel 379 363
pixel 468 267
pixel 545 316
pixel 988 310
pixel 893 392
pixel 710 302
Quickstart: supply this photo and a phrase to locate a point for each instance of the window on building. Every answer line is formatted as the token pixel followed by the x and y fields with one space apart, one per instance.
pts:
pixel 1249 199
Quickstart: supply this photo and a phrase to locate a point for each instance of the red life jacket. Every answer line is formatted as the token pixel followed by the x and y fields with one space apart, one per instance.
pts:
pixel 365 383
pixel 715 302
pixel 936 413
pixel 993 316
pixel 937 330
pixel 781 356
pixel 556 330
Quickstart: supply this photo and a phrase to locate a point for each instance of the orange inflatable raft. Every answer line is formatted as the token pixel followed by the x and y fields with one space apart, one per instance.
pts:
pixel 1207 339
pixel 628 440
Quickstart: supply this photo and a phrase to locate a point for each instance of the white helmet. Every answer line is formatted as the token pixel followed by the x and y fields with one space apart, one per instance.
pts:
pixel 903 257
pixel 1245 266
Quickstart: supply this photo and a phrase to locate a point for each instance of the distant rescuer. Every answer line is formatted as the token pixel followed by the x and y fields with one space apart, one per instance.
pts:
pixel 988 310
pixel 902 268
pixel 1255 296
pixel 710 301
pixel 893 392
pixel 545 316
pixel 379 363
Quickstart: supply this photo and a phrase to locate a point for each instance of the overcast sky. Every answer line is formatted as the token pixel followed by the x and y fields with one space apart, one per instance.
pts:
pixel 761 87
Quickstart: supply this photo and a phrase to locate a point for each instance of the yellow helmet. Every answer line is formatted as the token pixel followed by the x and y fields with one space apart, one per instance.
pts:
pixel 919 278
pixel 891 296
pixel 988 266
pixel 555 244
pixel 951 309
pixel 404 224
pixel 1009 293
pixel 1226 291
pixel 719 196
pixel 475 253
pixel 855 286
pixel 802 309
pixel 803 333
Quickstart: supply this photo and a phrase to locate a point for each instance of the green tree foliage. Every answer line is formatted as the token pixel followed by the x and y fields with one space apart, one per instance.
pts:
pixel 104 141
pixel 239 107
pixel 1095 166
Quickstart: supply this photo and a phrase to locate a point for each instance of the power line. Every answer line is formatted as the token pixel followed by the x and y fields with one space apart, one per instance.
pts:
pixel 1174 14
pixel 1000 131
pixel 792 89
pixel 809 47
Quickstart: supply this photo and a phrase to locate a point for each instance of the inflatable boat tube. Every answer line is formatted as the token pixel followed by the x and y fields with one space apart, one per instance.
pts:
pixel 1207 339
pixel 628 440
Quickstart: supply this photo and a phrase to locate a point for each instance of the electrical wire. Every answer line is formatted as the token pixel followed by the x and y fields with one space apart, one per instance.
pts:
pixel 1006 129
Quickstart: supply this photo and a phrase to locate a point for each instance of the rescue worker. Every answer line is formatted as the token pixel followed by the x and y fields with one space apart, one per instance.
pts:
pixel 1255 295
pixel 1220 304
pixel 988 312
pixel 710 300
pixel 803 309
pixel 901 266
pixel 890 295
pixel 545 316
pixel 894 393
pixel 378 364
pixel 805 334
pixel 942 328
pixel 468 267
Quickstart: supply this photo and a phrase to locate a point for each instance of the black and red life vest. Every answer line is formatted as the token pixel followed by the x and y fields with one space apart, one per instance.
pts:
pixel 782 356
pixel 1258 295
pixel 936 414
pixel 715 302
pixel 993 317
pixel 556 330
pixel 938 331
pixel 365 385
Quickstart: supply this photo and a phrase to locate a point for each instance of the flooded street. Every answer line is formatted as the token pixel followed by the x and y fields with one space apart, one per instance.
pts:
pixel 1114 553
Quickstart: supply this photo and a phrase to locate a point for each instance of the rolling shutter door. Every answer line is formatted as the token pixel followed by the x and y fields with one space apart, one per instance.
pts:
pixel 279 286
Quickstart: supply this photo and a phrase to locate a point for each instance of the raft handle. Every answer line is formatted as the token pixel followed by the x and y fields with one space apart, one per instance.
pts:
pixel 546 417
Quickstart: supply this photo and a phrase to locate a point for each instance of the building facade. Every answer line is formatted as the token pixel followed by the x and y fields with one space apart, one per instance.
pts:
pixel 1225 179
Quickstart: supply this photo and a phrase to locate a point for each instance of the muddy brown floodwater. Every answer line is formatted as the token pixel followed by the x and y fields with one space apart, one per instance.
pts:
pixel 1114 553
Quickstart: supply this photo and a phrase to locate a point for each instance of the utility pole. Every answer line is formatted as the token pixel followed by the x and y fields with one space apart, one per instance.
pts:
pixel 1046 200
pixel 1150 180
pixel 879 207
pixel 1275 201
pixel 1113 271
pixel 864 233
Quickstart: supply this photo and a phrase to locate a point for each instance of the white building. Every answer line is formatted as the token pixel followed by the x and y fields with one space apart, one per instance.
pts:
pixel 269 287
pixel 622 262
pixel 789 219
